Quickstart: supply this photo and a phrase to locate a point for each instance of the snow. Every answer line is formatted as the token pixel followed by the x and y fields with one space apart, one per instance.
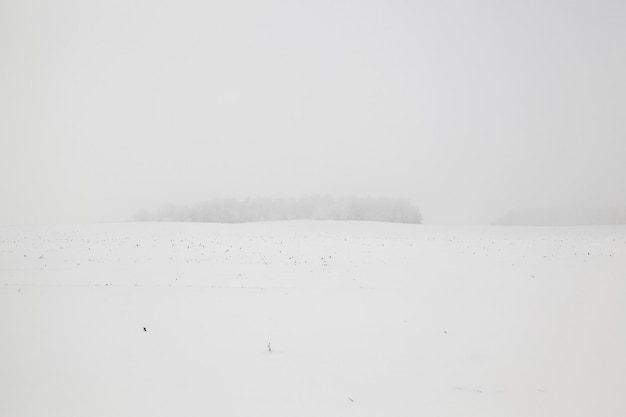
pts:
pixel 364 319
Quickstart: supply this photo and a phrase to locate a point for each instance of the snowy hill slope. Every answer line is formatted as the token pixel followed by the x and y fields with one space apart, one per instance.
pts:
pixel 364 319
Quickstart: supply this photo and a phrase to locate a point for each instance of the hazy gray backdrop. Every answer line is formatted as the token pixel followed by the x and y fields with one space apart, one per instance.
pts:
pixel 468 108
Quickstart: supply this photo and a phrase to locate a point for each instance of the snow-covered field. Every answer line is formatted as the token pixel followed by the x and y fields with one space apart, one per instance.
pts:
pixel 364 319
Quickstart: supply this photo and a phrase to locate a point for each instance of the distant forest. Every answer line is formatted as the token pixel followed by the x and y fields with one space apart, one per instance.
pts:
pixel 271 209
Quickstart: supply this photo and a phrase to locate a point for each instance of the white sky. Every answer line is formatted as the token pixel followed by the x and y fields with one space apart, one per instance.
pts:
pixel 469 109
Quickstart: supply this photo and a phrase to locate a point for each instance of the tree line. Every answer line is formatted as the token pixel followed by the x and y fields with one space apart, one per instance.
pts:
pixel 273 209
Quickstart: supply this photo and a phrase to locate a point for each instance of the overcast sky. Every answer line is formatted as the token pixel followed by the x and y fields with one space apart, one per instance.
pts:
pixel 468 108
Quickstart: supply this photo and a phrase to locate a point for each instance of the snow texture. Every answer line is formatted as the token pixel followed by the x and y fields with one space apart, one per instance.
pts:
pixel 312 319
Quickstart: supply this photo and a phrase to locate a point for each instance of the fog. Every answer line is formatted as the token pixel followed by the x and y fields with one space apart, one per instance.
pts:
pixel 469 110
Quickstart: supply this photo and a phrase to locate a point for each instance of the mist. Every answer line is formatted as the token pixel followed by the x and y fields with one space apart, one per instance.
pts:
pixel 469 110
